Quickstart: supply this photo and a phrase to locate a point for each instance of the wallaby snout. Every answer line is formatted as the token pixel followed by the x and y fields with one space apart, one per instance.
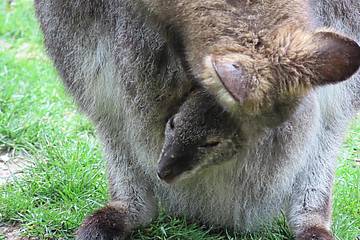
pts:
pixel 175 161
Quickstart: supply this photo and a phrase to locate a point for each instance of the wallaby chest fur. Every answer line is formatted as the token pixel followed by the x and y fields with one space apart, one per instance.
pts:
pixel 129 72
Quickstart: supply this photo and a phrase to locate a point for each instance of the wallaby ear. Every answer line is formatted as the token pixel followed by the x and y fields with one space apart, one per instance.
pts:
pixel 337 58
pixel 233 76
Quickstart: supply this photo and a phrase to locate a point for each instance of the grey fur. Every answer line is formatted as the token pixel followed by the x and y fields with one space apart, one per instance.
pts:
pixel 126 72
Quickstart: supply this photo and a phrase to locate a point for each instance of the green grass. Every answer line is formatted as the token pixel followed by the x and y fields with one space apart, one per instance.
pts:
pixel 38 120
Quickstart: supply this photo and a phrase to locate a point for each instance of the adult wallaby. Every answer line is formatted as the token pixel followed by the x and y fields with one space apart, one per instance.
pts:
pixel 130 64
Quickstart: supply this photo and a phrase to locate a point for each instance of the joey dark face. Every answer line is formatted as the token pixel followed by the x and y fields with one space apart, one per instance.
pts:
pixel 199 135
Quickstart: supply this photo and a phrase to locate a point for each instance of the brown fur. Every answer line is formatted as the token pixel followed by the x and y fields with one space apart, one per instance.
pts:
pixel 223 27
pixel 276 43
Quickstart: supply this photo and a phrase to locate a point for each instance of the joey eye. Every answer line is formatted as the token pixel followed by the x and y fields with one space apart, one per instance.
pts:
pixel 210 144
pixel 172 122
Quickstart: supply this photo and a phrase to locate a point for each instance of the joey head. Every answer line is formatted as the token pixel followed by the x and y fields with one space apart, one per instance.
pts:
pixel 199 135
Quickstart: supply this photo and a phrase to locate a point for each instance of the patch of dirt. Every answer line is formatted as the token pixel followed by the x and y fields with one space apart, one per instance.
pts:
pixel 11 232
pixel 11 166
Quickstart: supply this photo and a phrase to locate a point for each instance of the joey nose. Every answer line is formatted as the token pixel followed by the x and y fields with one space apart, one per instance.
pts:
pixel 165 174
pixel 233 76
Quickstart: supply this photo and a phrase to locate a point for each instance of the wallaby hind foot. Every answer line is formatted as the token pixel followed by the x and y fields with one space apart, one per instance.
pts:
pixel 315 233
pixel 108 223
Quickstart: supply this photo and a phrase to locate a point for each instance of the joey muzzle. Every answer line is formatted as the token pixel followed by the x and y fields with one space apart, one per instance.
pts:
pixel 174 161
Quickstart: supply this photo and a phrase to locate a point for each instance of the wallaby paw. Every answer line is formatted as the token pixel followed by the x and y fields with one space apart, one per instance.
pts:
pixel 315 233
pixel 108 223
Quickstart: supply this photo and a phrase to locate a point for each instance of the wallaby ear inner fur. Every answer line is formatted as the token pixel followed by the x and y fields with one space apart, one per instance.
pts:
pixel 233 77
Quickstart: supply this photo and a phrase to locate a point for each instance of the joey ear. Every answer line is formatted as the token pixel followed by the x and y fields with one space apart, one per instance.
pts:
pixel 337 58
